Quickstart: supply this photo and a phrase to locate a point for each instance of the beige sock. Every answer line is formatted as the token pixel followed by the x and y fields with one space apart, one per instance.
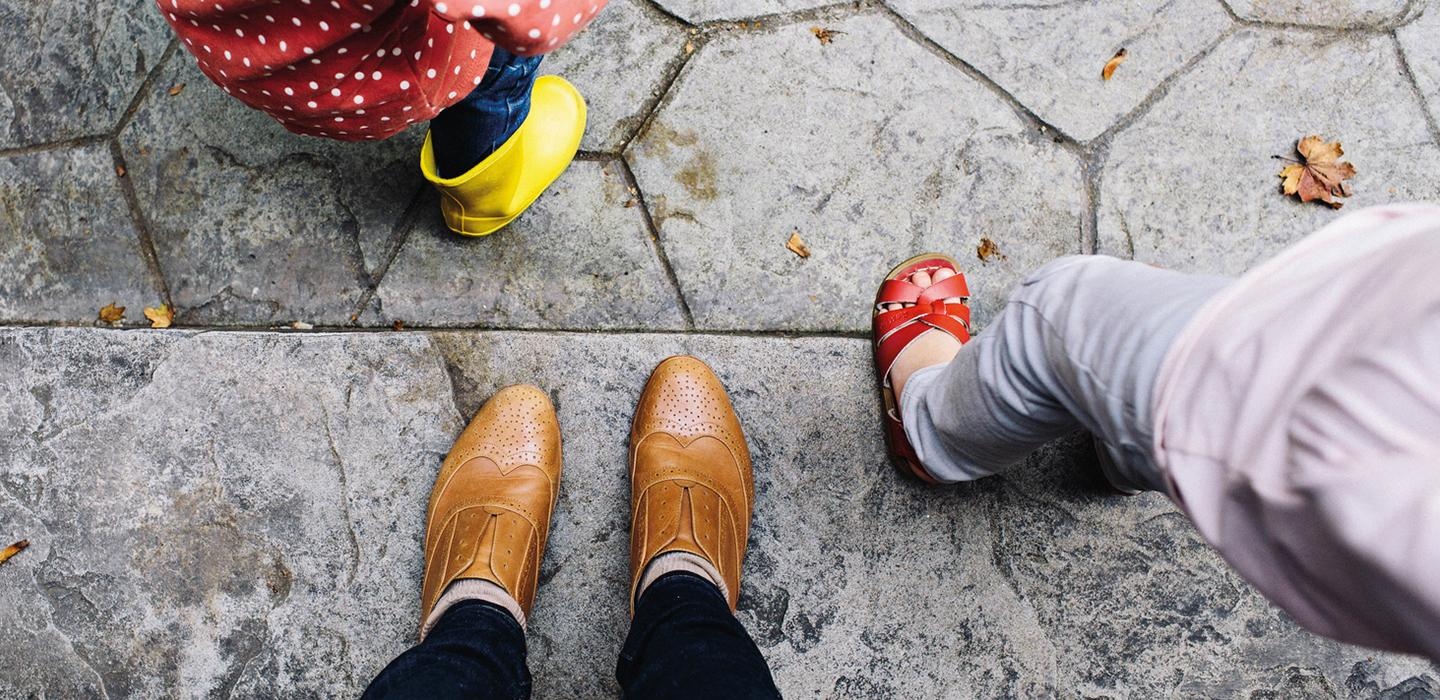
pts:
pixel 670 562
pixel 472 589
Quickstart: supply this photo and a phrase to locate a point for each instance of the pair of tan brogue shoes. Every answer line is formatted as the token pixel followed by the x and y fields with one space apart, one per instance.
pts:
pixel 690 480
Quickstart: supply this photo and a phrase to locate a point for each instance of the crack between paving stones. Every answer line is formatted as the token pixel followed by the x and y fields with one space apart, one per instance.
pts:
pixel 144 91
pixel 344 498
pixel 1409 73
pixel 1038 125
pixel 1159 92
pixel 784 18
pixel 47 146
pixel 1406 15
pixel 196 330
pixel 404 226
pixel 656 245
pixel 664 93
pixel 141 223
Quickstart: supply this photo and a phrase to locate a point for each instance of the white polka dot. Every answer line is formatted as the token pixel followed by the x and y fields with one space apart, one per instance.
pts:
pixel 314 85
pixel 477 11
pixel 453 94
pixel 359 75
pixel 289 91
pixel 359 99
pixel 441 7
pixel 376 75
pixel 311 104
pixel 533 33
pixel 404 85
pixel 514 9
pixel 335 92
pixel 430 73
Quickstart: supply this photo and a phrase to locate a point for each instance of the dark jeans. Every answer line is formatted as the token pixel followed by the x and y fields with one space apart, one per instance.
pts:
pixel 470 130
pixel 683 643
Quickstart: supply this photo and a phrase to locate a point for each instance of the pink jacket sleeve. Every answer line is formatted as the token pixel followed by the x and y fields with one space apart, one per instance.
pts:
pixel 524 27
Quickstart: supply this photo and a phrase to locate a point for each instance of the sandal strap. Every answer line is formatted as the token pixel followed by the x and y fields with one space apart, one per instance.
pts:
pixel 949 287
pixel 893 341
pixel 887 322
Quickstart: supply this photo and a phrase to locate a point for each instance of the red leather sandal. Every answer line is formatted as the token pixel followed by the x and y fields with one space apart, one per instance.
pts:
pixel 894 330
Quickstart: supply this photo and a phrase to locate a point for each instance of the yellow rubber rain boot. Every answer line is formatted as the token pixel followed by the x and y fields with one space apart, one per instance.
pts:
pixel 505 184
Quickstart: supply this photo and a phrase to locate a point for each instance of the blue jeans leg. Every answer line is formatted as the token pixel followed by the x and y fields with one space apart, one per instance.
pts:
pixel 476 650
pixel 470 130
pixel 684 643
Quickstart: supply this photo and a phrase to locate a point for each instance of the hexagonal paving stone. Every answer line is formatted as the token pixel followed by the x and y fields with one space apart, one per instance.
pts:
pixel 582 257
pixel 67 242
pixel 1422 52
pixel 1049 55
pixel 1193 184
pixel 710 10
pixel 252 224
pixel 619 63
pixel 71 69
pixel 873 148
pixel 1325 13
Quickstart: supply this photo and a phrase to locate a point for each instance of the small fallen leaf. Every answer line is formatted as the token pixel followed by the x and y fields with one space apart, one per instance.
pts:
pixel 689 47
pixel 630 203
pixel 398 325
pixel 797 245
pixel 301 326
pixel 1318 175
pixel 176 89
pixel 12 550
pixel 160 316
pixel 1112 64
pixel 112 313
pixel 825 35
pixel 987 251
pixel 119 171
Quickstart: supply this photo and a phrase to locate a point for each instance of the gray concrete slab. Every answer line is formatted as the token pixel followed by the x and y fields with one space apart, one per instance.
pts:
pixel 1328 13
pixel 1420 41
pixel 71 69
pixel 254 225
pixel 67 243
pixel 581 257
pixel 772 132
pixel 620 63
pixel 697 11
pixel 1193 185
pixel 1049 55
pixel 241 513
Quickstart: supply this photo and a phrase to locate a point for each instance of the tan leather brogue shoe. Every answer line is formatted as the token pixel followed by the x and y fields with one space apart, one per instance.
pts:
pixel 690 481
pixel 490 510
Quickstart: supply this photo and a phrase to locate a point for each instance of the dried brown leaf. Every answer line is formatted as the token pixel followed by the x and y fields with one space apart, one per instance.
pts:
pixel 1109 70
pixel 160 316
pixel 119 171
pixel 398 325
pixel 12 550
pixel 987 251
pixel 176 89
pixel 1318 175
pixel 825 35
pixel 112 313
pixel 797 245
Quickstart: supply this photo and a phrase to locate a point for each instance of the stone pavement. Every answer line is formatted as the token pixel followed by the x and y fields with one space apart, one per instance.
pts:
pixel 234 508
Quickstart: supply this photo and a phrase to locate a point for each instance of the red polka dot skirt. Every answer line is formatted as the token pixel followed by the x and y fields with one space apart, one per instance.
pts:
pixel 359 70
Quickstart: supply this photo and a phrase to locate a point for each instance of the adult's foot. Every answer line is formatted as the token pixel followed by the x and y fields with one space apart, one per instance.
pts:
pixel 932 347
pixel 691 487
pixel 489 513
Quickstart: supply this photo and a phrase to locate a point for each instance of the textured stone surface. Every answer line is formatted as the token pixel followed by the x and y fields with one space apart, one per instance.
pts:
pixel 71 68
pixel 1193 184
pixel 240 512
pixel 67 243
pixel 869 169
pixel 580 258
pixel 1422 52
pixel 1049 55
pixel 710 10
pixel 1326 13
pixel 619 63
pixel 252 224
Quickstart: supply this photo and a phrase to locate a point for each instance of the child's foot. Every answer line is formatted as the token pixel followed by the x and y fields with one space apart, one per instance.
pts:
pixel 492 194
pixel 920 320
pixel 932 347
